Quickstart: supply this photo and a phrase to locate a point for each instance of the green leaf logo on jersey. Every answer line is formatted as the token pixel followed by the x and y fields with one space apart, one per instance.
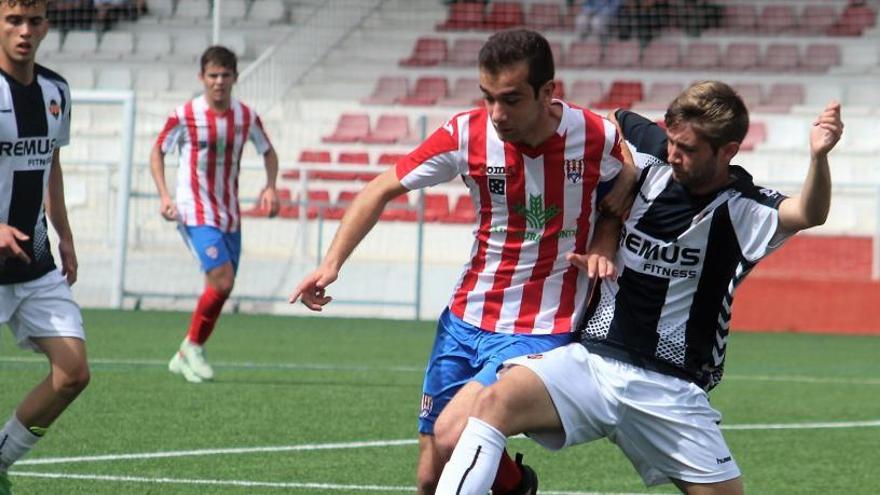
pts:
pixel 221 145
pixel 537 215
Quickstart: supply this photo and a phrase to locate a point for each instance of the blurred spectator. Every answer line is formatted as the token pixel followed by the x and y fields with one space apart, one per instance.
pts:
pixel 109 11
pixel 70 14
pixel 695 16
pixel 643 19
pixel 596 16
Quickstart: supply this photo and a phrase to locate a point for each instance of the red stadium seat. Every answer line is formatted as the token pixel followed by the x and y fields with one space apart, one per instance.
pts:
pixel 350 129
pixel 464 52
pixel 751 94
pixel 582 55
pixel 356 158
pixel 318 201
pixel 307 156
pixel 388 129
pixel 622 94
pixel 504 15
pixel 462 212
pixel 740 18
pixel 464 16
pixel 396 210
pixel 465 93
pixel 757 134
pixel 854 20
pixel 661 55
pixel 436 207
pixel 389 159
pixel 583 93
pixel 621 54
pixel 741 56
pixel 659 95
pixel 816 19
pixel 427 52
pixel 819 58
pixel 388 89
pixel 342 203
pixel 544 16
pixel 780 57
pixel 781 97
pixel 427 91
pixel 701 56
pixel 777 19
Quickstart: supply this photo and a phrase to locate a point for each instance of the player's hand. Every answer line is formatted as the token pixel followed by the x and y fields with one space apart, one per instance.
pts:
pixel 826 130
pixel 9 239
pixel 596 265
pixel 168 209
pixel 269 201
pixel 68 260
pixel 311 291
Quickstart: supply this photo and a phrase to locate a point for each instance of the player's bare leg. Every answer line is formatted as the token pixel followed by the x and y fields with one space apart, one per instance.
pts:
pixel 729 487
pixel 68 376
pixel 429 466
pixel 221 278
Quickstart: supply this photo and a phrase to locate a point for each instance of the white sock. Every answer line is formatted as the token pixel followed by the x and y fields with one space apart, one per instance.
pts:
pixel 15 442
pixel 474 462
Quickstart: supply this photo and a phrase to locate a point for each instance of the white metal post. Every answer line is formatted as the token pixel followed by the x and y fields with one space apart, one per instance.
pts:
pixel 123 193
pixel 215 37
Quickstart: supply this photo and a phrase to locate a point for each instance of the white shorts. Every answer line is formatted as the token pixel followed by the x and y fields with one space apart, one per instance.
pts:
pixel 40 308
pixel 663 424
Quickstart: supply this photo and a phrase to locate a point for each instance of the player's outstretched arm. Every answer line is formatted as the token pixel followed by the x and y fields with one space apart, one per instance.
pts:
pixel 269 195
pixel 167 208
pixel 57 210
pixel 599 259
pixel 358 220
pixel 810 207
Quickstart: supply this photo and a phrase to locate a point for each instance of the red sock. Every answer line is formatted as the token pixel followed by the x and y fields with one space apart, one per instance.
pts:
pixel 205 315
pixel 508 477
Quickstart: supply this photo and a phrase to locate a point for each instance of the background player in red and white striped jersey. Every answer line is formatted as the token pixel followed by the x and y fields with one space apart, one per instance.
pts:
pixel 535 168
pixel 209 133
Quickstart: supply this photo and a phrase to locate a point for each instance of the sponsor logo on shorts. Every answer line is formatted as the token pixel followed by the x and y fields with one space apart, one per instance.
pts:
pixel 427 405
pixel 212 253
pixel 535 356
pixel 723 460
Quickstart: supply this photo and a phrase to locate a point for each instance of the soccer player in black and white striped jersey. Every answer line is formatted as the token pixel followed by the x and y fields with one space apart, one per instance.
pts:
pixel 35 297
pixel 655 343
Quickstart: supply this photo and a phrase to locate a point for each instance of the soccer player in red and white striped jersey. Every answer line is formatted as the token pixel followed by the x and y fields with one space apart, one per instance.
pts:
pixel 209 133
pixel 535 168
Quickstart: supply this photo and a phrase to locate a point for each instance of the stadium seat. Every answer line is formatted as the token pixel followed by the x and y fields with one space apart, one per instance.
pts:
pixel 267 11
pixel 820 57
pixel 427 52
pixel 189 46
pixel 308 157
pixel 51 45
pixel 465 93
pixel 741 56
pixel 659 95
pixel 436 207
pixel 317 203
pixel 740 17
pixel 351 128
pixel 343 201
pixel 757 134
pixel 751 94
pixel 237 43
pixel 389 159
pixel 153 80
pixel 388 129
pixel 780 57
pixel 388 89
pixel 621 54
pixel 701 56
pixel 462 212
pixel 79 44
pixel 152 46
pixel 163 9
pixel 358 159
pixel 582 55
pixel 464 16
pixel 777 19
pixel 114 78
pixel 585 92
pixel 661 55
pixel 427 91
pixel 233 10
pixel 621 94
pixel 781 97
pixel 189 11
pixel 544 16
pixel 116 45
pixel 396 210
pixel 79 76
pixel 464 52
pixel 854 20
pixel 504 15
pixel 816 19
pixel 186 80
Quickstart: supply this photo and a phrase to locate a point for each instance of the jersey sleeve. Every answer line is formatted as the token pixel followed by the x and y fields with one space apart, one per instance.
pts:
pixel 647 141
pixel 612 160
pixel 171 133
pixel 756 222
pixel 258 136
pixel 438 159
pixel 64 130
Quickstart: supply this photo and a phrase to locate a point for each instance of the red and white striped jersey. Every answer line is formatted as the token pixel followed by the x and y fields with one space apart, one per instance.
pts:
pixel 533 205
pixel 210 146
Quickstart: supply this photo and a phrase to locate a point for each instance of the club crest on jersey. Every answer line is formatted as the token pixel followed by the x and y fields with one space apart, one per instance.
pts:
pixel 54 108
pixel 574 170
pixel 427 405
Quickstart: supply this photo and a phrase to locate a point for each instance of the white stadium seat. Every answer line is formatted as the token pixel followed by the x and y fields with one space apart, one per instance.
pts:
pixel 80 43
pixel 153 79
pixel 186 80
pixel 114 78
pixel 51 45
pixel 190 10
pixel 189 46
pixel 267 11
pixel 162 8
pixel 233 10
pixel 78 77
pixel 116 45
pixel 152 46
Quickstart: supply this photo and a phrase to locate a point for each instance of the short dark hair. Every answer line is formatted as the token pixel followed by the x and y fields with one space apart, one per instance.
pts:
pixel 24 3
pixel 221 57
pixel 509 47
pixel 714 110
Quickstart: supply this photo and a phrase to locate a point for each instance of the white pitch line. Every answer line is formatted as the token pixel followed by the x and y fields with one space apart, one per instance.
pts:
pixel 258 484
pixel 415 369
pixel 804 426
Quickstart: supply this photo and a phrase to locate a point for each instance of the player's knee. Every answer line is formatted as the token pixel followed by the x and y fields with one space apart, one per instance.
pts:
pixel 446 435
pixel 70 382
pixel 492 406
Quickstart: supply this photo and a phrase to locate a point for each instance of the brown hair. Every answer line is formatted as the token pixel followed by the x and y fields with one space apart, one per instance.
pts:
pixel 24 3
pixel 506 48
pixel 713 109
pixel 219 56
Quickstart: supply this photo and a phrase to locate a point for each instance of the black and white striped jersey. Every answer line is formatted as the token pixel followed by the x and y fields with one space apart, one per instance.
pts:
pixel 680 260
pixel 34 121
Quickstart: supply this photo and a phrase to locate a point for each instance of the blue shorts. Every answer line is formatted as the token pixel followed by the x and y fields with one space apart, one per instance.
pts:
pixel 212 246
pixel 464 353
